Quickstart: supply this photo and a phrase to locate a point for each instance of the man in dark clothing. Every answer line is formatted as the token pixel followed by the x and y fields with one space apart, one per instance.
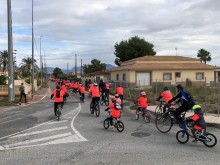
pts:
pixel 102 88
pixel 22 92
pixel 186 101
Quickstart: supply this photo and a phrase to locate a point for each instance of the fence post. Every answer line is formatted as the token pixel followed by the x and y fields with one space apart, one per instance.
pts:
pixel 156 88
pixel 218 96
pixel 205 96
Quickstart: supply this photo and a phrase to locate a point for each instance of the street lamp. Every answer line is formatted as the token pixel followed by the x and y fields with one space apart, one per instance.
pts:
pixel 32 50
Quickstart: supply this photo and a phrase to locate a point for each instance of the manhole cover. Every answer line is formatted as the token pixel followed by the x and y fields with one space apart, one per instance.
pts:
pixel 140 134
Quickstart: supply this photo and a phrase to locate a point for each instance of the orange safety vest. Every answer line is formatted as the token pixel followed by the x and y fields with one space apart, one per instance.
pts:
pixel 115 112
pixel 58 99
pixel 167 95
pixel 143 102
pixel 63 88
pixel 82 89
pixel 119 90
pixel 95 92
pixel 106 85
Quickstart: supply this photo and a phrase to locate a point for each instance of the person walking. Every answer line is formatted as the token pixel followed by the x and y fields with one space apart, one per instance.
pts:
pixel 22 93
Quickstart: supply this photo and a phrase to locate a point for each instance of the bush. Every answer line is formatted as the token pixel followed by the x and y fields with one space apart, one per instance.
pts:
pixel 28 80
pixel 38 82
pixel 2 80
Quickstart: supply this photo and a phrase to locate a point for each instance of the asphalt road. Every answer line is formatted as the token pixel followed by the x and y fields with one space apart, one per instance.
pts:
pixel 32 135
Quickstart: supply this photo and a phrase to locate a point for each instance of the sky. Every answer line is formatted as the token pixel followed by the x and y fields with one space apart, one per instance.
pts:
pixel 91 28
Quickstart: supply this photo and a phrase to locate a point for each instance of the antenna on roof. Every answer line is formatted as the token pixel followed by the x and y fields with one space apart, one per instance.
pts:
pixel 176 50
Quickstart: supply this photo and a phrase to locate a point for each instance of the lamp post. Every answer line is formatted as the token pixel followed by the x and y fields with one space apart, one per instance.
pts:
pixel 11 95
pixel 32 78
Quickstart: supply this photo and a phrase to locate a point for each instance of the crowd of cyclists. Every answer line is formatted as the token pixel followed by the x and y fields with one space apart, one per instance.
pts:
pixel 97 92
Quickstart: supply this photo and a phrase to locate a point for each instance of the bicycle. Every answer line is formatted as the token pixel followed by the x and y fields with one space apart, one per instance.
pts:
pixel 117 123
pixel 183 135
pixel 95 108
pixel 159 108
pixel 58 112
pixel 81 97
pixel 165 121
pixel 105 100
pixel 144 112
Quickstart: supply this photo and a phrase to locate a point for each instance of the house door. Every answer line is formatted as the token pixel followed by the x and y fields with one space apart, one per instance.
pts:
pixel 143 79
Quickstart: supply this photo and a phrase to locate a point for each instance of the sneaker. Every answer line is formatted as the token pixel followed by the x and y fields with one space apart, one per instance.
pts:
pixel 195 140
pixel 202 138
pixel 111 126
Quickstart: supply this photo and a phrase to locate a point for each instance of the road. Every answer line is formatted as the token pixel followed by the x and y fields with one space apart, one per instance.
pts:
pixel 32 135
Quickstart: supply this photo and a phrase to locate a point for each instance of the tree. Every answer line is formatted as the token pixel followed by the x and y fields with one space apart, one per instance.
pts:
pixel 204 55
pixel 3 59
pixel 133 48
pixel 95 65
pixel 26 65
pixel 2 80
pixel 57 72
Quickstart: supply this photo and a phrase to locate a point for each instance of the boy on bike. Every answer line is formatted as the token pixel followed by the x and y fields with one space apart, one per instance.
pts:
pixel 58 98
pixel 82 91
pixel 115 113
pixel 95 94
pixel 198 123
pixel 143 101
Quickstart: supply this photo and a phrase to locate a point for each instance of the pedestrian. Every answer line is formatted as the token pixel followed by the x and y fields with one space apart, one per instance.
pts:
pixel 22 92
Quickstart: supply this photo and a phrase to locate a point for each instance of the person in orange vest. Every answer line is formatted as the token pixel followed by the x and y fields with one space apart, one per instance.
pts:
pixel 82 91
pixel 115 113
pixel 107 88
pixel 143 101
pixel 95 93
pixel 75 87
pixel 63 88
pixel 58 98
pixel 120 92
pixel 117 98
pixel 166 95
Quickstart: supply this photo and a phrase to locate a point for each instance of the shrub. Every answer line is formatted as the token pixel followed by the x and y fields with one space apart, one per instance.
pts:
pixel 2 80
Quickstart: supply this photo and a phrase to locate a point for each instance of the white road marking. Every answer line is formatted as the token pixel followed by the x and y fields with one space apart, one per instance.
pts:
pixel 38 140
pixel 56 122
pixel 40 132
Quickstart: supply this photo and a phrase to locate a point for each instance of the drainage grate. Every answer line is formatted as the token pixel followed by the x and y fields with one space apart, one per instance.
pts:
pixel 140 134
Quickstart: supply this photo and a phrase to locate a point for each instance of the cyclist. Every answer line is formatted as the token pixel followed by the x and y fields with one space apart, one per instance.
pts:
pixel 143 101
pixel 186 101
pixel 95 94
pixel 102 88
pixel 63 88
pixel 166 95
pixel 198 123
pixel 115 113
pixel 107 87
pixel 120 92
pixel 117 98
pixel 58 98
pixel 82 91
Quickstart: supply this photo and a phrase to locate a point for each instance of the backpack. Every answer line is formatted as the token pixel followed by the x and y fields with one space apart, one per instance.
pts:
pixel 117 106
pixel 57 93
pixel 22 89
pixel 190 98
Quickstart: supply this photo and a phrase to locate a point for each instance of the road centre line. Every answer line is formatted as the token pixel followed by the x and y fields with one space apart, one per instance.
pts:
pixel 39 132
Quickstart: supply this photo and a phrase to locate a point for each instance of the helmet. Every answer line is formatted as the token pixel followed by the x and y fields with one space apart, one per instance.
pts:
pixel 95 84
pixel 179 86
pixel 116 95
pixel 143 93
pixel 58 87
pixel 196 107
pixel 165 88
pixel 113 99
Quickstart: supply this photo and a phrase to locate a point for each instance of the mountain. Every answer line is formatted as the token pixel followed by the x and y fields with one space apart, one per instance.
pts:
pixel 50 69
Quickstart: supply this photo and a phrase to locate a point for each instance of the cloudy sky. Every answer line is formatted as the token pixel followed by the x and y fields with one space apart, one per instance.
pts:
pixel 90 28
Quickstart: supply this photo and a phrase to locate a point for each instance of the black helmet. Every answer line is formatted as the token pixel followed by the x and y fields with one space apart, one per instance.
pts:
pixel 179 86
pixel 58 87
pixel 165 89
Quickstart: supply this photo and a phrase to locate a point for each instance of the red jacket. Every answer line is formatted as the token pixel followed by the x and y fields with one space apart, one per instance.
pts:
pixel 57 99
pixel 115 112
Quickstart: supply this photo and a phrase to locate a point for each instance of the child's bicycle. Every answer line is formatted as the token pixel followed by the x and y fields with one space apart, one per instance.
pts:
pixel 144 112
pixel 117 123
pixel 182 136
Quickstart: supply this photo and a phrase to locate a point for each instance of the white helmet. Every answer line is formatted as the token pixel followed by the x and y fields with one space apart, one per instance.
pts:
pixel 95 84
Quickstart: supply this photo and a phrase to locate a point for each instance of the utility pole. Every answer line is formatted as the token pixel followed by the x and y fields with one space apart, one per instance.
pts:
pixel 11 95
pixel 176 50
pixel 32 49
pixel 45 70
pixel 67 68
pixel 41 64
pixel 81 68
pixel 76 65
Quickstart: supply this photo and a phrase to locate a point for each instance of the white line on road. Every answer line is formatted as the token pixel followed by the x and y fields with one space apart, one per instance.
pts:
pixel 39 132
pixel 55 122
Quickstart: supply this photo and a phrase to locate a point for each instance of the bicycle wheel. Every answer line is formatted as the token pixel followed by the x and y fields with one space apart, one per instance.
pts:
pixel 211 140
pixel 163 122
pixel 101 102
pixel 137 114
pixel 106 100
pixel 182 136
pixel 91 109
pixel 106 123
pixel 97 110
pixel 58 113
pixel 158 110
pixel 120 126
pixel 147 116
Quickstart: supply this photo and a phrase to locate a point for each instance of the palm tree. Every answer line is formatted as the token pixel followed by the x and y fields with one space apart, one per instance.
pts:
pixel 204 55
pixel 3 59
pixel 26 65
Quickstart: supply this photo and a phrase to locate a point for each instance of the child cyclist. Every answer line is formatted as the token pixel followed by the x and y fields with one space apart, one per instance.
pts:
pixel 198 123
pixel 115 113
pixel 143 101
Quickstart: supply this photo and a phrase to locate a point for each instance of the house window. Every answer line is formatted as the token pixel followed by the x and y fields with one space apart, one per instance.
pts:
pixel 167 76
pixel 177 74
pixel 199 75
pixel 124 77
pixel 117 77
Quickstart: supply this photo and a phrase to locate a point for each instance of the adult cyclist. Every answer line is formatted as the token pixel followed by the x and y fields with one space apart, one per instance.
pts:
pixel 95 94
pixel 58 98
pixel 186 101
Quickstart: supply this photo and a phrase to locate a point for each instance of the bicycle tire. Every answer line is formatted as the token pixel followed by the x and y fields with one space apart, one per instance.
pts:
pixel 106 100
pixel 163 123
pixel 91 109
pixel 147 117
pixel 158 110
pixel 210 138
pixel 137 115
pixel 120 126
pixel 97 110
pixel 58 112
pixel 106 123
pixel 182 136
